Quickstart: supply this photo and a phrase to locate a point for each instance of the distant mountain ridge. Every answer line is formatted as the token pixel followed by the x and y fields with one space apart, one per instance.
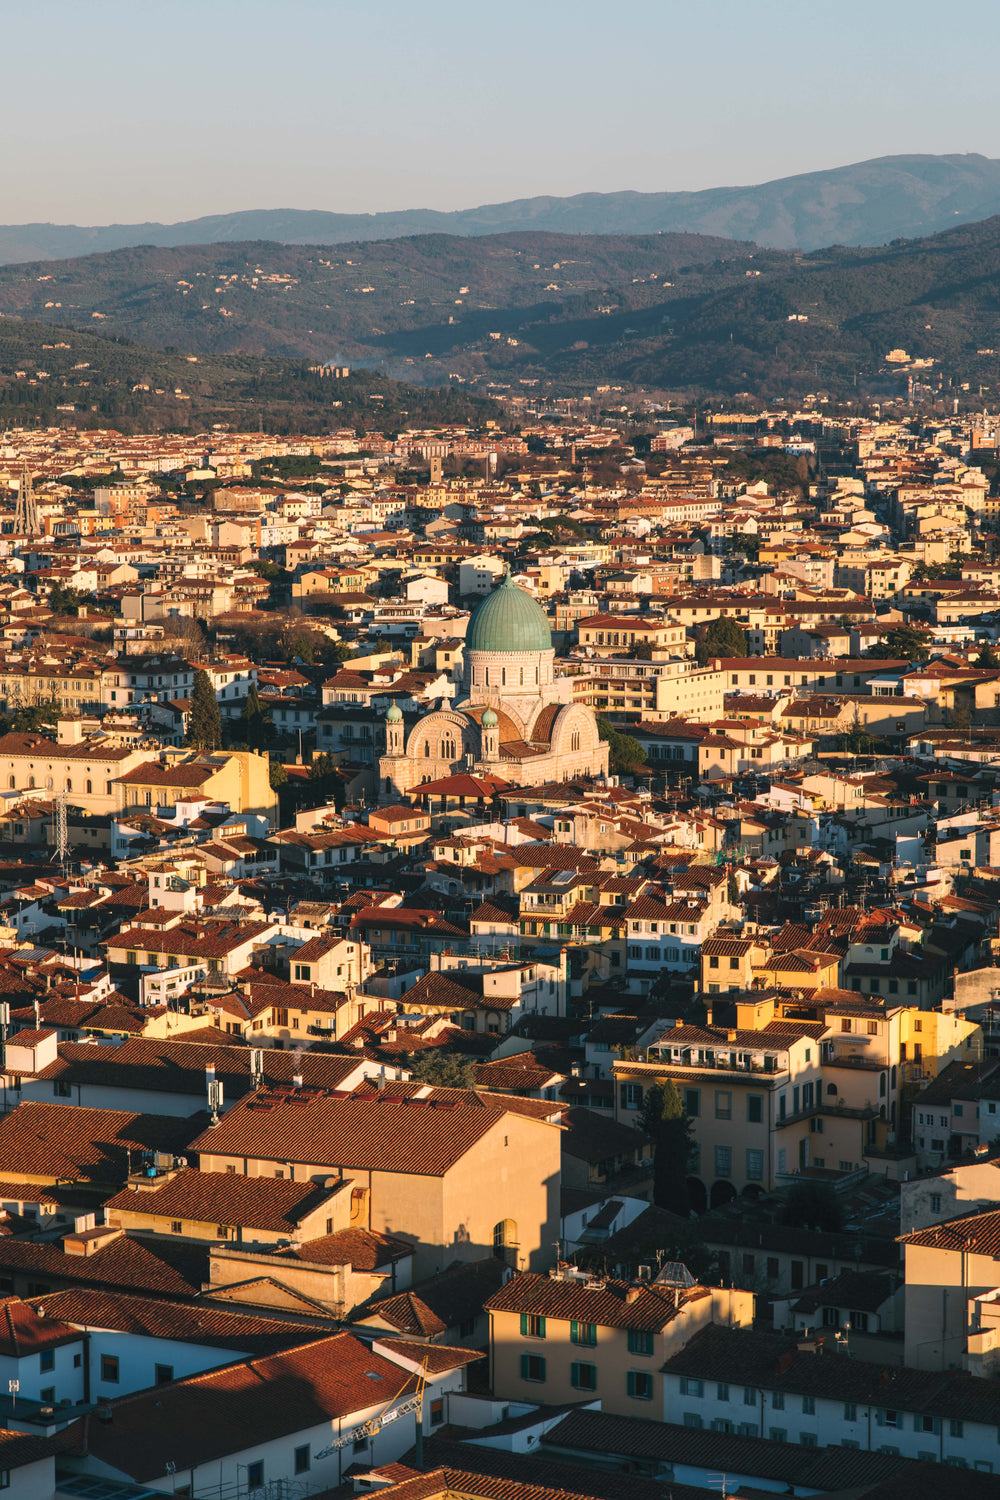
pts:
pixel 866 203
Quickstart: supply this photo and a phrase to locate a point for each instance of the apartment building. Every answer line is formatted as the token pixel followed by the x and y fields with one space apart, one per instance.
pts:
pixel 569 1336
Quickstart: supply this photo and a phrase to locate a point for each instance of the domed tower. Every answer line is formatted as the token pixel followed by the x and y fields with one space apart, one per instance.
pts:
pixel 508 648
pixel 394 730
pixel 490 726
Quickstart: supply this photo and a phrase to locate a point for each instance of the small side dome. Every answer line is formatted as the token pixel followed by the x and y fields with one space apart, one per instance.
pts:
pixel 394 715
pixel 489 720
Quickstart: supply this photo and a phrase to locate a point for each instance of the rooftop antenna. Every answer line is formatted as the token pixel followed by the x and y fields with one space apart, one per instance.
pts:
pixel 26 518
pixel 257 1066
pixel 214 1090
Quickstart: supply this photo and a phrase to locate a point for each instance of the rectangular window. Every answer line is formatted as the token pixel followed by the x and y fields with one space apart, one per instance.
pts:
pixel 691 1387
pixel 723 1161
pixel 47 1360
pixel 109 1369
pixel 778 1400
pixel 755 1166
pixel 755 1108
pixel 850 1411
pixel 723 1104
pixel 692 1103
pixel 583 1333
pixel 640 1385
pixel 303 1461
pixel 533 1368
pixel 532 1326
pixel 808 1406
pixel 437 1412
pixel 640 1341
pixel 778 1435
pixel 750 1396
pixel 692 1419
pixel 722 1392
pixel 255 1473
pixel 583 1377
pixel 163 1374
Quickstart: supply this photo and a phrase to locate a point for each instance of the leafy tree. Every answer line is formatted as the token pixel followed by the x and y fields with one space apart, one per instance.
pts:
pixel 443 1069
pixel 204 720
pixel 902 642
pixel 813 1205
pixel 664 1119
pixel 276 775
pixel 257 726
pixel 65 601
pixel 723 637
pixel 626 752
pixel 988 657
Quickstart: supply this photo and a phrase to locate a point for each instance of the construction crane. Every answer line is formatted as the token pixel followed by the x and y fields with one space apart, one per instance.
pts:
pixel 389 1413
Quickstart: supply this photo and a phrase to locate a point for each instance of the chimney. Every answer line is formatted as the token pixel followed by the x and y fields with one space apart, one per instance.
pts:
pixel 632 1293
pixel 709 1015
pixel 296 1080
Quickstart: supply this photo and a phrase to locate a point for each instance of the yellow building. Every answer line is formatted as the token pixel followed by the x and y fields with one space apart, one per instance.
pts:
pixel 570 1337
pixel 459 1181
pixel 240 778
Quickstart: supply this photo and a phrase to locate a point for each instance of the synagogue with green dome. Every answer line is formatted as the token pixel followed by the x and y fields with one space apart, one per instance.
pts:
pixel 515 718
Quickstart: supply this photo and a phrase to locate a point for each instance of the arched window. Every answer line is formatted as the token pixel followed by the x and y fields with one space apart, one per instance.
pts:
pixel 49 783
pixel 90 786
pixel 505 1241
pixel 427 749
pixel 31 783
pixel 69 785
pixel 536 677
pixel 521 684
pixel 503 676
pixel 574 740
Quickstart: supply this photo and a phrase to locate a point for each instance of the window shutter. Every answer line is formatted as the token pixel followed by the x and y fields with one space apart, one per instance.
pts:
pixel 524 1366
pixel 524 1326
pixel 574 1374
pixel 574 1332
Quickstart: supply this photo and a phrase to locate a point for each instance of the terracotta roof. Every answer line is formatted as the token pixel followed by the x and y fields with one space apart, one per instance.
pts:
pixel 377 1132
pixel 774 1360
pixel 166 1268
pixel 611 1304
pixel 265 1203
pixel 977 1233
pixel 91 1307
pixel 67 1143
pixel 253 1402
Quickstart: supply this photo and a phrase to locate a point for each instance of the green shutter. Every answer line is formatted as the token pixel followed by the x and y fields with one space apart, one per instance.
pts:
pixel 524 1363
pixel 574 1375
pixel 524 1325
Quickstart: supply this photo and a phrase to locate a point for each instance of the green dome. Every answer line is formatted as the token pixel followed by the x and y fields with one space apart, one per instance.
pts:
pixel 489 719
pixel 508 620
pixel 394 715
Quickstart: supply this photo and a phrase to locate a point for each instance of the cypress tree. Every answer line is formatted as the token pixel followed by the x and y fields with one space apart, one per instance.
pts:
pixel 664 1119
pixel 204 720
pixel 256 725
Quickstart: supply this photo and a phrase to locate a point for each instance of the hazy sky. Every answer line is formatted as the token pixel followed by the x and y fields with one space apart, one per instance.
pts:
pixel 169 109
